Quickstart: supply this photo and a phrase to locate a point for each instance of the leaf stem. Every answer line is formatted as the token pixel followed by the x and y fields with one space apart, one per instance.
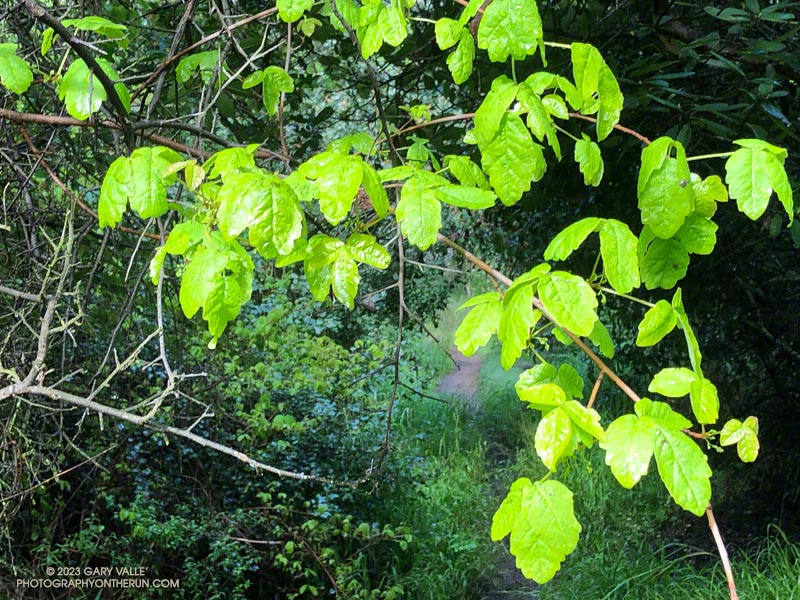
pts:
pixel 705 156
pixel 559 45
pixel 565 132
pixel 613 292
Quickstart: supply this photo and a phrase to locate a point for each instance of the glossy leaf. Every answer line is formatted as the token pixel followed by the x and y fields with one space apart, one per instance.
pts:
pixel 553 437
pixel 338 178
pixel 570 380
pixel 511 28
pixel 466 171
pixel 662 414
pixel 515 325
pixel 570 239
pixel 705 401
pixel 541 520
pixel 684 469
pixel 365 249
pixel 664 189
pixel 602 339
pixel 137 180
pixel 598 88
pixel 664 264
pixel 707 193
pixel 490 113
pixel 15 74
pixel 753 172
pixel 744 435
pixel 620 257
pixel 480 324
pixel 465 197
pixel 586 419
pixel 199 278
pixel 276 81
pixel 460 61
pixel 629 446
pixel 698 234
pixel 291 10
pixel 570 301
pixel 512 160
pixel 673 382
pixel 657 323
pixel 590 161
pixel 419 212
pixel 374 188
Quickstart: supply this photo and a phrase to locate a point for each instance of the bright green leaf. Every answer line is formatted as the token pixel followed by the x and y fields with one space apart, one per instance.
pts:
pixel 570 380
pixel 515 325
pixel 698 234
pixel 205 63
pixel 419 213
pixel 462 58
pixel 657 323
pixel 664 264
pixel 338 178
pixel 512 160
pixel 466 171
pixel 494 107
pixel 707 193
pixel 276 81
pixel 629 446
pixel 620 258
pixel 673 382
pixel 291 10
pixel 586 419
pixel 553 437
pixel 448 32
pixel 590 161
pixel 684 469
pixel 480 324
pixel 15 73
pixel 662 414
pixel 602 339
pixel 200 277
pixel 664 189
pixel 375 190
pixel 366 249
pixel 465 197
pixel 683 323
pixel 705 401
pixel 598 88
pixel 511 27
pixel 570 301
pixel 570 239
pixel 541 520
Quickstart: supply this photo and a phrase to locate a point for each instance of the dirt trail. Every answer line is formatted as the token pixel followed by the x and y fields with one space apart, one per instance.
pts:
pixel 462 380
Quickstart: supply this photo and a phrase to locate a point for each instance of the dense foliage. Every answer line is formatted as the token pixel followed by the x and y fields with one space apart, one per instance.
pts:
pixel 215 284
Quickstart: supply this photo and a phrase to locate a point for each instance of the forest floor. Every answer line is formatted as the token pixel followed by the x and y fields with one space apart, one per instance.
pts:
pixel 462 380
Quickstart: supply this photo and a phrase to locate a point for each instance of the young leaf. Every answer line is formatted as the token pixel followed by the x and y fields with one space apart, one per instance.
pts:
pixel 490 113
pixel 598 88
pixel 511 27
pixel 82 92
pixel 705 401
pixel 480 324
pixel 662 414
pixel 683 323
pixel 753 172
pixel 673 382
pixel 744 435
pixel 275 82
pixel 462 58
pixel 139 180
pixel 629 446
pixel 291 10
pixel 664 189
pixel 515 325
pixel 15 74
pixel 620 257
pixel 466 171
pixel 419 212
pixel 570 239
pixel 586 419
pixel 465 197
pixel 664 264
pixel 553 437
pixel 602 339
pixel 199 278
pixel 448 32
pixel 684 469
pixel 512 160
pixel 707 193
pixel 204 63
pixel 230 161
pixel 570 301
pixel 366 249
pixel 698 234
pixel 590 161
pixel 338 178
pixel 657 323
pixel 374 188
pixel 541 520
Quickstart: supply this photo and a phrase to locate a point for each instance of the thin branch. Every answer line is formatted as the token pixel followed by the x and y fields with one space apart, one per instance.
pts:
pixel 621 128
pixel 17 294
pixel 595 389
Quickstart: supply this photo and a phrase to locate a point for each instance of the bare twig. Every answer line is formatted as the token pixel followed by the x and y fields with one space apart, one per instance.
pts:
pixel 723 552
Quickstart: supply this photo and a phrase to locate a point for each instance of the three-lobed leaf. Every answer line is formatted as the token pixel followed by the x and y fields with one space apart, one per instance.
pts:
pixel 753 172
pixel 744 435
pixel 541 520
pixel 511 28
pixel 480 324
